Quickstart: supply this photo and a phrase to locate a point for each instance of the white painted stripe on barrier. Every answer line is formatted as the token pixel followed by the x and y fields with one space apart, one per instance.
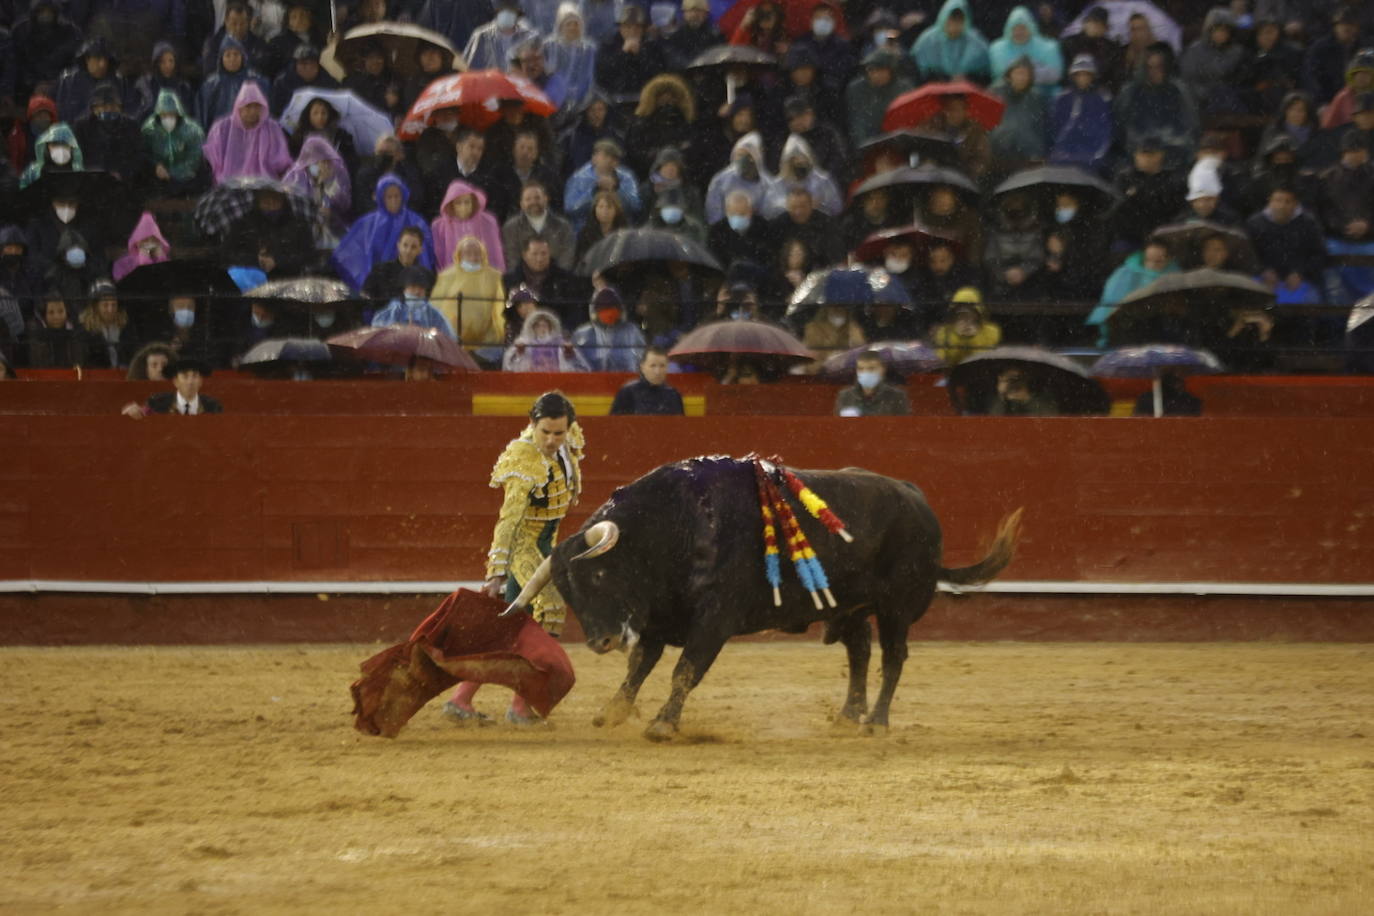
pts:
pixel 1252 589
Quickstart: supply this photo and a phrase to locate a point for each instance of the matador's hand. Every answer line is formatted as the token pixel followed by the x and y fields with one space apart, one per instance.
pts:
pixel 494 587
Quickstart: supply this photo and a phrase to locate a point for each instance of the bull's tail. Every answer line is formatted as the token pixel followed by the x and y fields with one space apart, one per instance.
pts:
pixel 1003 548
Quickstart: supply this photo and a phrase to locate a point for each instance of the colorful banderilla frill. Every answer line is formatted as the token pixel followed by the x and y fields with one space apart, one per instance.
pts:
pixel 776 512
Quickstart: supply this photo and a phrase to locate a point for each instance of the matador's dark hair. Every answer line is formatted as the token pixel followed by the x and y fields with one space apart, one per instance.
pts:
pixel 552 405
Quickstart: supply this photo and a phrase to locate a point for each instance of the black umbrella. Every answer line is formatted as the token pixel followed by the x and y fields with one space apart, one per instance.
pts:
pixel 287 357
pixel 918 178
pixel 730 57
pixel 1051 179
pixel 1185 241
pixel 227 203
pixel 913 146
pixel 1194 308
pixel 644 246
pixel 973 383
pixel 183 276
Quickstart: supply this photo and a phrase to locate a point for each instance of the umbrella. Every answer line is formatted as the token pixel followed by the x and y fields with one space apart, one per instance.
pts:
pixel 853 287
pixel 919 237
pixel 99 193
pixel 973 382
pixel 913 108
pixel 227 203
pixel 904 357
pixel 476 96
pixel 1119 13
pixel 643 246
pixel 397 345
pixel 1152 361
pixel 1360 314
pixel 729 57
pixel 714 342
pixel 180 276
pixel 1195 305
pixel 285 353
pixel 401 42
pixel 1185 244
pixel 913 146
pixel 917 178
pixel 1052 179
pixel 308 295
pixel 796 16
pixel 364 123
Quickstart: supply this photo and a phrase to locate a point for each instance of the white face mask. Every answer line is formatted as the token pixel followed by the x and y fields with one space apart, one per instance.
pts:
pixel 76 258
pixel 169 122
pixel 60 154
pixel 823 26
pixel 505 20
pixel 324 319
pixel 868 379
pixel 739 222
pixel 839 321
pixel 897 265
pixel 65 213
pixel 184 318
pixel 470 266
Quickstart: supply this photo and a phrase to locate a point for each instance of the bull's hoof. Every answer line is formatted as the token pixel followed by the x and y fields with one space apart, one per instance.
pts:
pixel 660 730
pixel 873 729
pixel 614 713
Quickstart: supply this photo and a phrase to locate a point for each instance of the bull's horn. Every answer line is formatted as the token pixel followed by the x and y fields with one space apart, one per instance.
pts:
pixel 600 538
pixel 538 579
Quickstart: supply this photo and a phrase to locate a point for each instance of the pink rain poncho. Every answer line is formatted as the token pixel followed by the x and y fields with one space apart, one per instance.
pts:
pixel 333 195
pixel 146 231
pixel 449 230
pixel 234 151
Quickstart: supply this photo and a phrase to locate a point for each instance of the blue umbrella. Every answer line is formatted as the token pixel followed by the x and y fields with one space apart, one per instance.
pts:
pixel 1153 360
pixel 853 287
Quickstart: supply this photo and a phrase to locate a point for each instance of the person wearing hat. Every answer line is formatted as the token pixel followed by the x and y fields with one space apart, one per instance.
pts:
pixel 491 45
pixel 1328 57
pixel 868 94
pixel 1150 194
pixel 1081 125
pixel 304 72
pixel 608 342
pixel 109 139
pixel 694 35
pixel 105 325
pixel 663 119
pixel 1020 138
pixel 806 121
pixel 1204 196
pixel 1275 166
pixel 968 329
pixel 187 376
pixel 1359 79
pixel 413 305
pixel 1094 41
pixel 603 173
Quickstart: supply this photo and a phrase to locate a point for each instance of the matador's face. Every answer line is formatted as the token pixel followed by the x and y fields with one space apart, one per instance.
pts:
pixel 549 434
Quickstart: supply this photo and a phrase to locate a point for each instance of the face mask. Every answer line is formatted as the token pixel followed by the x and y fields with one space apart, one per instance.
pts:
pixel 897 265
pixel 747 169
pixel 869 379
pixel 108 115
pixel 739 315
pixel 671 215
pixel 413 297
pixel 839 321
pixel 470 266
pixel 505 20
pixel 64 213
pixel 324 319
pixel 314 170
pixel 739 222
pixel 1064 214
pixel 60 154
pixel 184 318
pixel 608 316
pixel 76 258
pixel 801 171
pixel 824 27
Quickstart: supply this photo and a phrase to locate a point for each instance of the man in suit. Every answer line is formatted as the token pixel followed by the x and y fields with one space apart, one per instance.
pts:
pixel 187 376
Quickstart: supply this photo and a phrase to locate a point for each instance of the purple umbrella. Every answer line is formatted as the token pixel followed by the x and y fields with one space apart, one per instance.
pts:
pixel 904 357
pixel 1153 360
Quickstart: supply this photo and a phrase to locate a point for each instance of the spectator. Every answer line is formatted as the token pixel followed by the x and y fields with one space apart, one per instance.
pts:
pixel 1140 40
pixel 740 235
pixel 463 214
pixel 833 329
pixel 603 173
pixel 803 222
pixel 501 137
pixel 41 113
pixel 164 75
pixel 305 73
pixel 541 347
pixel 146 245
pixel 1150 193
pixel 663 119
pixel 320 175
pixel 300 32
pixel 76 265
pixel 1093 40
pixel 536 220
pixel 413 306
pixel 625 59
pixel 321 119
pixel 608 215
pixel 175 144
pixel 524 166
pixel 1323 70
pixel 969 137
pixel 412 245
pixel 607 342
pixel 746 173
pixel 598 121
pixel 670 214
pixel 1297 120
pixel 270 237
pixel 374 238
pixel 237 25
pixel 569 54
pixel 869 94
pixel 1075 252
pixel 952 48
pixel 456 21
pixel 247 143
pixel 108 339
pixel 1015 250
pixel 871 395
pixel 968 331
pixel 109 140
pixel 57 150
pixel 466 162
pixel 762 27
pixel 1158 106
pixel 373 83
pixel 694 36
pixel 52 343
pixel 388 158
pixel 1016 398
pixel 650 393
pixel 1021 38
pixel 1359 79
pixel 1022 135
pixel 827 143
pixel 1175 400
pixel 1276 68
pixel 799 170
pixel 491 44
pixel 941 277
pixel 188 375
pixel 1275 166
pixel 834 57
pixel 149 363
pixel 430 66
pixel 1214 64
pixel 1346 209
pixel 44 43
pixel 471 296
pixel 1140 269
pixel 1288 244
pixel 553 286
pixel 947 214
pixel 94 65
pixel 221 90
pixel 1081 123
pixel 19 274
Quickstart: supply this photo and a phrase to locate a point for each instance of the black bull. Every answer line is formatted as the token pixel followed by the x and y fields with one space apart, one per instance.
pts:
pixel 676 558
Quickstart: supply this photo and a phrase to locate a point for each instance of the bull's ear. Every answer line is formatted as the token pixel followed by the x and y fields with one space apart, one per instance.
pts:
pixel 600 538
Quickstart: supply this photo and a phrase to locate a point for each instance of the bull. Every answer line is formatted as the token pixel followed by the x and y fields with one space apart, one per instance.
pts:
pixel 676 558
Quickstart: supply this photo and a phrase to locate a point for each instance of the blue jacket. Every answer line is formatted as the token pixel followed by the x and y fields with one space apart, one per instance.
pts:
pixel 420 313
pixel 1081 128
pixel 581 188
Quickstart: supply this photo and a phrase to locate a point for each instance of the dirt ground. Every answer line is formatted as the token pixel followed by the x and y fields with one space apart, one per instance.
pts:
pixel 1021 778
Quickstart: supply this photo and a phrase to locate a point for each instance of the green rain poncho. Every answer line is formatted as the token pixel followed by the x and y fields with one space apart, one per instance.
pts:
pixel 179 151
pixel 60 134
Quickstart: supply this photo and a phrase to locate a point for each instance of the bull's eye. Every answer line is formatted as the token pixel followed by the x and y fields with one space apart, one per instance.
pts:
pixel 599 576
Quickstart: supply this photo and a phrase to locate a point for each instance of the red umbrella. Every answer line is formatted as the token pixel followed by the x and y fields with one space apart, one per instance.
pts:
pixel 476 96
pixel 913 108
pixel 796 16
pixel 397 345
pixel 870 250
pixel 752 338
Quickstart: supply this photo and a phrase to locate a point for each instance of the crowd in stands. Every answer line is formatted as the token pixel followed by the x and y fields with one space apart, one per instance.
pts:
pixel 1256 117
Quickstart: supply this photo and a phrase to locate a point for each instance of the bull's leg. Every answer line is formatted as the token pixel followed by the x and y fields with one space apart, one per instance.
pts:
pixel 643 657
pixel 697 655
pixel 857 637
pixel 892 632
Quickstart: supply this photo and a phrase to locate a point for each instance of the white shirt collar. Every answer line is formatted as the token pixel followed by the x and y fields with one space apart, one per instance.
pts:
pixel 182 404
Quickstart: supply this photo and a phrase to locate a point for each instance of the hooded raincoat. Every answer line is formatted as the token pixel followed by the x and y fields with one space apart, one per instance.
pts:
pixel 146 230
pixel 730 178
pixel 825 194
pixel 220 91
pixel 372 238
pixel 449 230
pixel 472 300
pixel 540 350
pixel 1126 279
pixel 59 134
pixel 333 196
pixel 152 84
pixel 938 57
pixel 178 150
pixel 236 151
pixel 574 61
pixel 1043 52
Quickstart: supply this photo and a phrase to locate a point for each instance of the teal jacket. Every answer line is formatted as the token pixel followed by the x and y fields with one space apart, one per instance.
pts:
pixel 178 151
pixel 940 58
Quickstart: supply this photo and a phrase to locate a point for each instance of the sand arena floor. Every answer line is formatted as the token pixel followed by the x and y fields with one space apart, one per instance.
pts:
pixel 1017 778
